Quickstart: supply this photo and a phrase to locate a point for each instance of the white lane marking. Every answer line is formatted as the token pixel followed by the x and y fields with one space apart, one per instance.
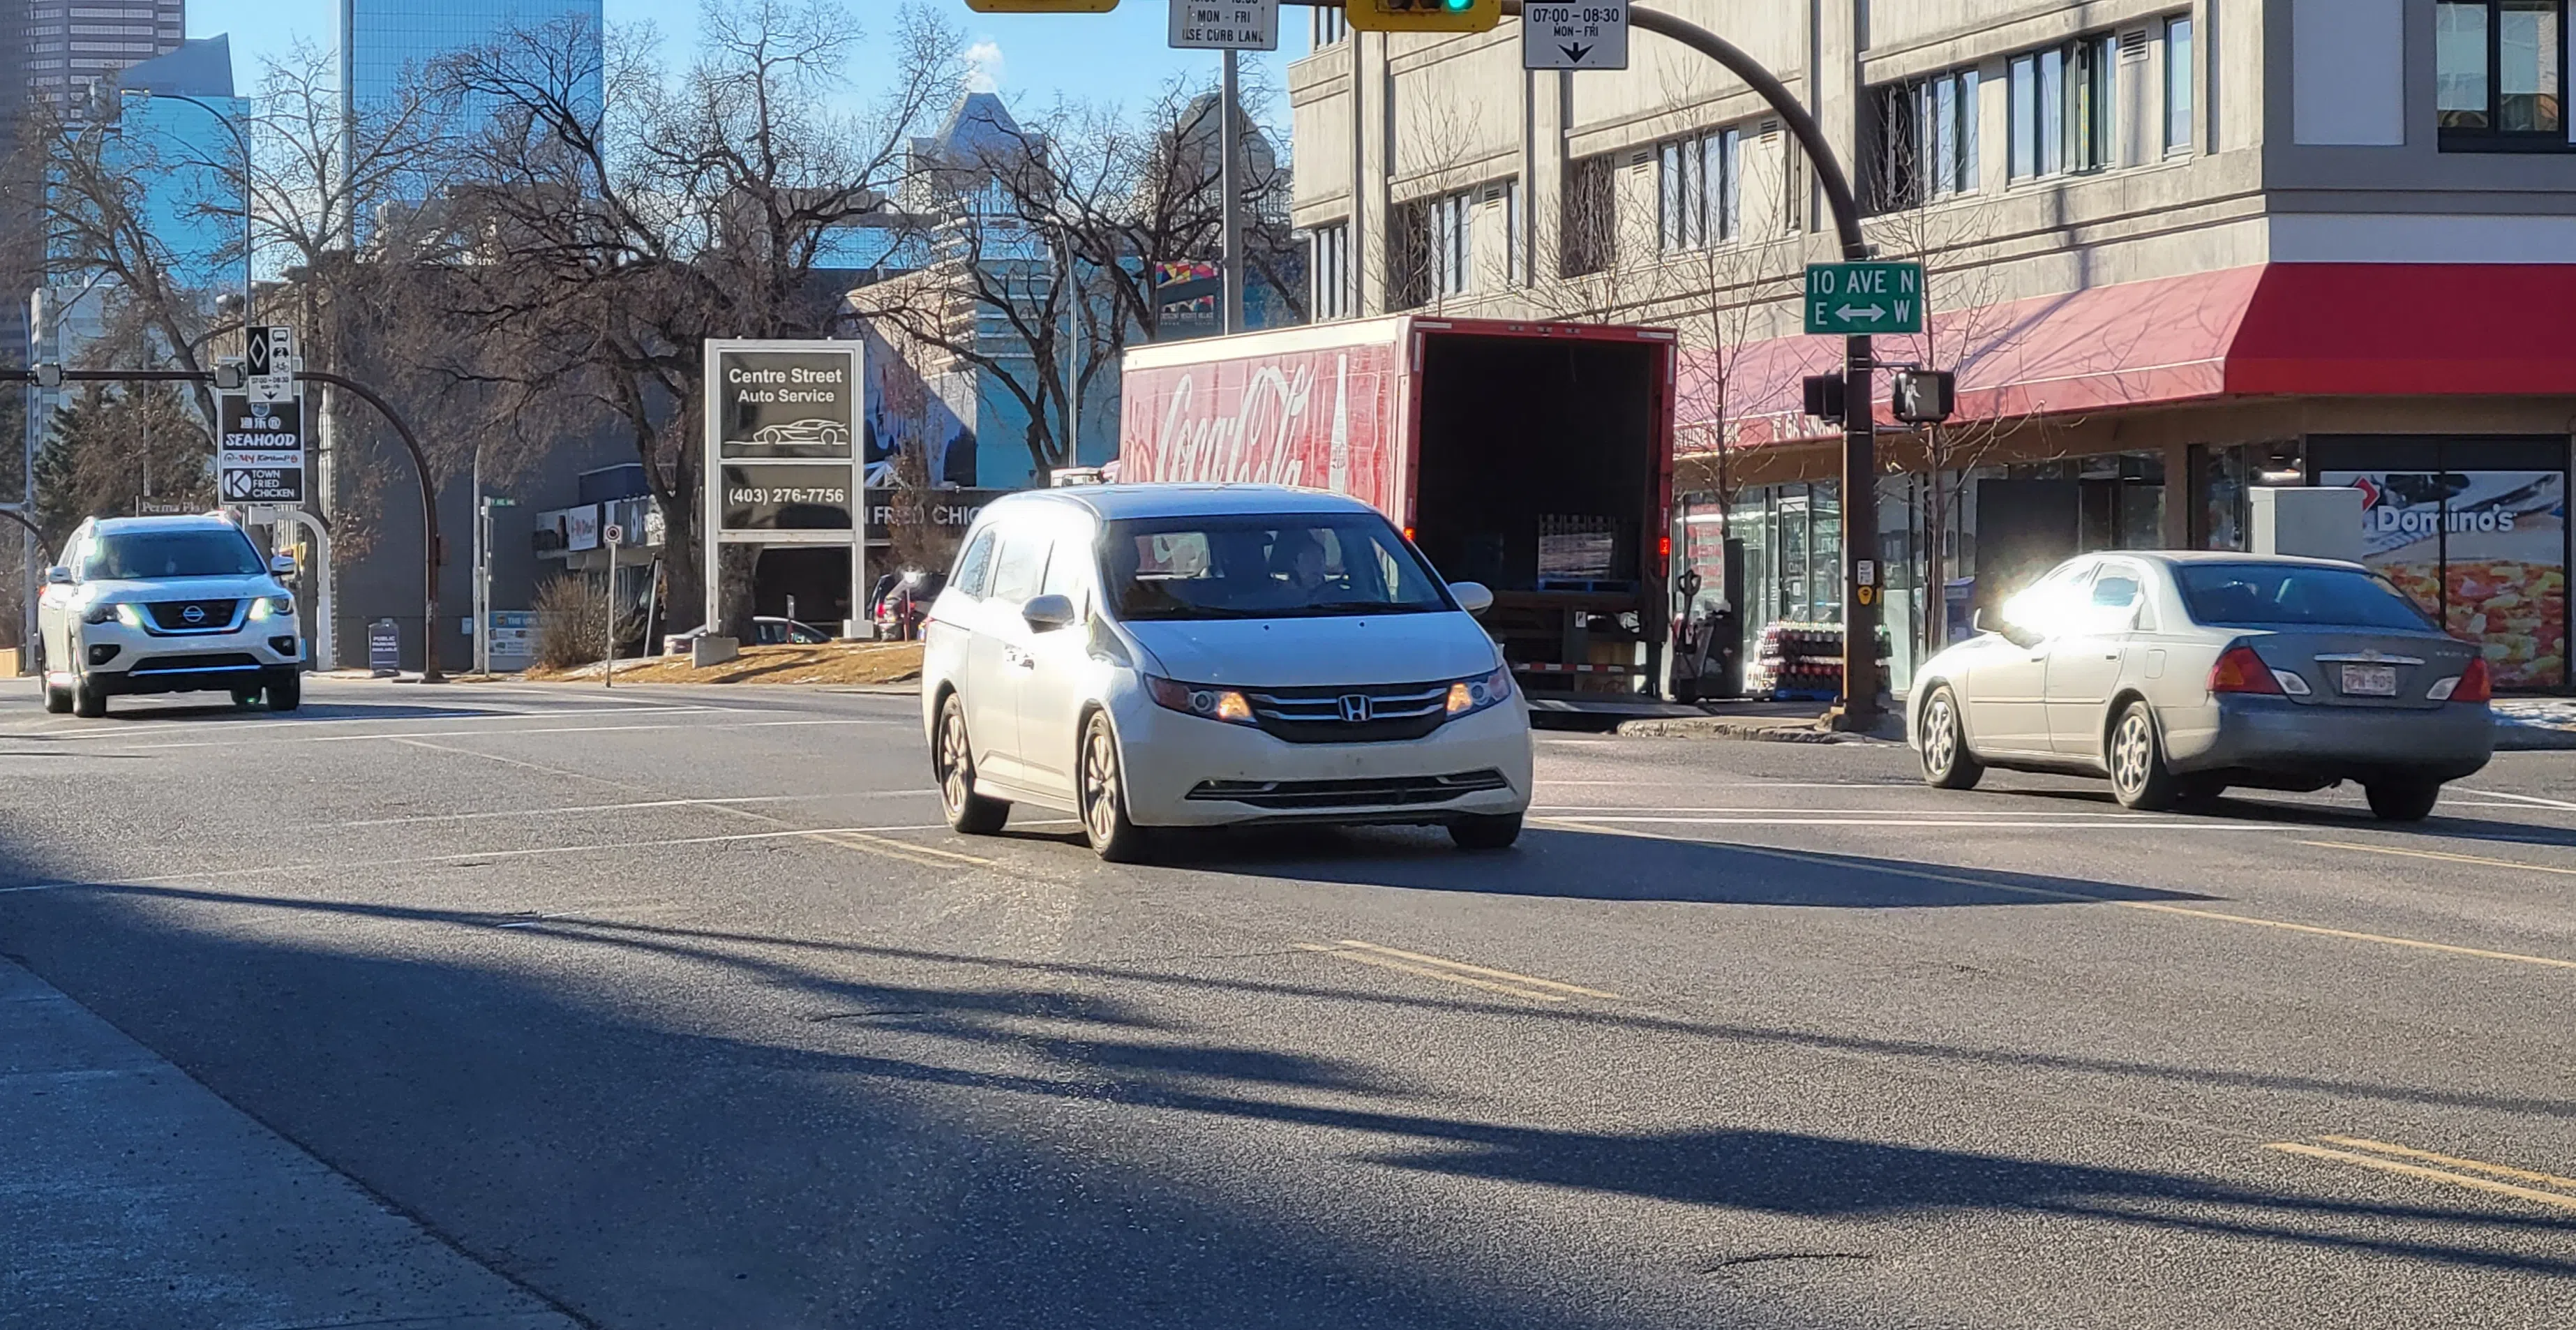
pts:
pixel 560 729
pixel 616 808
pixel 1544 782
pixel 1864 820
pixel 481 855
pixel 1642 810
pixel 2518 798
pixel 188 725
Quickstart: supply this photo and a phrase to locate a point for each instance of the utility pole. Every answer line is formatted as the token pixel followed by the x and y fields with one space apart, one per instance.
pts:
pixel 1230 180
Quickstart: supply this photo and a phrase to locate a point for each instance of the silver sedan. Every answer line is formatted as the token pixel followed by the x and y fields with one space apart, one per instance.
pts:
pixel 2179 675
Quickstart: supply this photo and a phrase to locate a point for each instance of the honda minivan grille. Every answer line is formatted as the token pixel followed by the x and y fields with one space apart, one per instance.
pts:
pixel 1356 713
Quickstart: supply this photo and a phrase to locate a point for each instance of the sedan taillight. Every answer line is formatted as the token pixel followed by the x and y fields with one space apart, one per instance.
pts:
pixel 2239 670
pixel 2475 684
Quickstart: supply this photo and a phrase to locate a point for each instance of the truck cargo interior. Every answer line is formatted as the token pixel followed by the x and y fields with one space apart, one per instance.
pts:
pixel 1544 492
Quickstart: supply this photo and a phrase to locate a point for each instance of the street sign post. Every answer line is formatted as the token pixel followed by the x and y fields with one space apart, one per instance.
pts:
pixel 259 451
pixel 1225 25
pixel 1853 299
pixel 1591 35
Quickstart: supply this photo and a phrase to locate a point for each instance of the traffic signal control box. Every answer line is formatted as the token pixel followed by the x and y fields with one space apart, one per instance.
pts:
pixel 1424 15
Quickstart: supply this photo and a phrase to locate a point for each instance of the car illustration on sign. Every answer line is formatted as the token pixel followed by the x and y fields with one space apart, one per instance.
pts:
pixel 830 433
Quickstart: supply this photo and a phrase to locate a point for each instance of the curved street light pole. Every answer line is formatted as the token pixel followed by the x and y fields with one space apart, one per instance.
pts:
pixel 429 672
pixel 1858 707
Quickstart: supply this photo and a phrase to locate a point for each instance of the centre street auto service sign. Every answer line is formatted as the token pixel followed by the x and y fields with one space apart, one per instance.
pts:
pixel 782 445
pixel 259 457
pixel 787 404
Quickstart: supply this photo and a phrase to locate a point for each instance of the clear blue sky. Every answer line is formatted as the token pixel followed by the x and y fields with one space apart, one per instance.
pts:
pixel 1122 56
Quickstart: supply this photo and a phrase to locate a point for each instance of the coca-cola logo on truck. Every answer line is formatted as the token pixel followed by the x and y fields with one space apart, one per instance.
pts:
pixel 1251 446
pixel 1311 418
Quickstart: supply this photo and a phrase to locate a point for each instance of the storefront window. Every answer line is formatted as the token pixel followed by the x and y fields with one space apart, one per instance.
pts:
pixel 2474 536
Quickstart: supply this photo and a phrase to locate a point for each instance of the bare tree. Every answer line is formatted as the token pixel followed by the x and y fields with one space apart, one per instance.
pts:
pixel 621 213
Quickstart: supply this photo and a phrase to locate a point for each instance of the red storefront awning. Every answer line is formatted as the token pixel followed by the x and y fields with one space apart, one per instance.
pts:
pixel 2282 329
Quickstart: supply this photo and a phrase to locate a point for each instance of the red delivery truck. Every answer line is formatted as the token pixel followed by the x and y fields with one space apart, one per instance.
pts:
pixel 1535 458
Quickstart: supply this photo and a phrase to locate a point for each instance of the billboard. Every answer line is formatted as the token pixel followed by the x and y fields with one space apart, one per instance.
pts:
pixel 259 450
pixel 1324 419
pixel 2485 550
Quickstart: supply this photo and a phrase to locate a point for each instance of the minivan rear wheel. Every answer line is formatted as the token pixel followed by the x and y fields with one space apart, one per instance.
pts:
pixel 952 759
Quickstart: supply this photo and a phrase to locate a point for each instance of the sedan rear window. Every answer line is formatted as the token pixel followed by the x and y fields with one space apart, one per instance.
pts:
pixel 1288 566
pixel 2263 595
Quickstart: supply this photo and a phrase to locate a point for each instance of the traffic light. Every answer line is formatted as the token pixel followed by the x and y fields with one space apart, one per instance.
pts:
pixel 1424 15
pixel 1041 6
pixel 1925 396
pixel 1825 397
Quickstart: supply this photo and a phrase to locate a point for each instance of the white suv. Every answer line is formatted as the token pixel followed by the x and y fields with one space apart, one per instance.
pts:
pixel 167 605
pixel 1189 655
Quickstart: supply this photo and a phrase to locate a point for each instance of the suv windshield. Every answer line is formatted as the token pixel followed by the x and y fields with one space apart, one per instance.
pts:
pixel 145 555
pixel 1282 566
pixel 2271 595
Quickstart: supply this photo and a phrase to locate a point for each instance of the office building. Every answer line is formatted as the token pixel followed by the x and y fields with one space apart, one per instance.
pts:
pixel 385 45
pixel 2175 249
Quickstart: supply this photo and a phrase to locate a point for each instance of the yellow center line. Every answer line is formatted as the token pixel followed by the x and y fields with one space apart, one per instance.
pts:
pixel 2473 1165
pixel 2437 854
pixel 1431 972
pixel 2429 1174
pixel 1505 975
pixel 2158 907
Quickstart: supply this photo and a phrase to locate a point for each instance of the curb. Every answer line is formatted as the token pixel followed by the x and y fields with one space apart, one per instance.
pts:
pixel 2534 739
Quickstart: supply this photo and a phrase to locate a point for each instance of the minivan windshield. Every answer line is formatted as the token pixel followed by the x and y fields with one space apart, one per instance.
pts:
pixel 2289 595
pixel 185 552
pixel 1265 566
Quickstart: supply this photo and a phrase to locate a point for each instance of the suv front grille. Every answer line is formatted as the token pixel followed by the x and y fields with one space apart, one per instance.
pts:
pixel 1306 795
pixel 1324 715
pixel 213 616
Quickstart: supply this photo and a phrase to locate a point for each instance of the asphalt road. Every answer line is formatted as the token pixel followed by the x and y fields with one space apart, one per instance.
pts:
pixel 678 1008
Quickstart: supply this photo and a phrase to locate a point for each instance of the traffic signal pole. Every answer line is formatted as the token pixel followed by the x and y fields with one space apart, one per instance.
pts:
pixel 1858 707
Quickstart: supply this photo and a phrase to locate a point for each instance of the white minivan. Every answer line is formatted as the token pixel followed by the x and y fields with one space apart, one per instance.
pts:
pixel 1194 655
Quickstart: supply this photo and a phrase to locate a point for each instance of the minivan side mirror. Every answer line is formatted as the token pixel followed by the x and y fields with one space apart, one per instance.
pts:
pixel 58 575
pixel 1049 611
pixel 1473 597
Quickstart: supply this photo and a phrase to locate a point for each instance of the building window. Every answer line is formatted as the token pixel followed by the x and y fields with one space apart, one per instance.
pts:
pixel 1926 142
pixel 1332 270
pixel 1588 232
pixel 1330 26
pixel 2499 72
pixel 2178 85
pixel 1408 255
pixel 1453 242
pixel 2061 109
pixel 1697 204
pixel 1514 272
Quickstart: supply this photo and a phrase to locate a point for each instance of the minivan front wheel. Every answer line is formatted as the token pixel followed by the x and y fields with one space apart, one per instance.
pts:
pixel 952 759
pixel 1113 835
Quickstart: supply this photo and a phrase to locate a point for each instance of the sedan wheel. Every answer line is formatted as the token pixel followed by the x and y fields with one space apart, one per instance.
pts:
pixel 2402 800
pixel 1104 798
pixel 952 759
pixel 1947 763
pixel 2138 775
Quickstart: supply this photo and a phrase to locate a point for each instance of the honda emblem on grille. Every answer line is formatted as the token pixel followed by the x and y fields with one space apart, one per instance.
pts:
pixel 1355 707
pixel 194 614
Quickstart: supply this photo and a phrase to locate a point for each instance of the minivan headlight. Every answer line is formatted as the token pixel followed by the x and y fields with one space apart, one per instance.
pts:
pixel 1472 695
pixel 1206 703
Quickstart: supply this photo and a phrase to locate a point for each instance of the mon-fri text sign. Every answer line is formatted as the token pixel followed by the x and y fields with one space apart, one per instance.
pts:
pixel 1848 298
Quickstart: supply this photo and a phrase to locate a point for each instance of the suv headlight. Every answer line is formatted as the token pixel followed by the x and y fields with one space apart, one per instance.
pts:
pixel 1472 695
pixel 1222 704
pixel 272 607
pixel 123 611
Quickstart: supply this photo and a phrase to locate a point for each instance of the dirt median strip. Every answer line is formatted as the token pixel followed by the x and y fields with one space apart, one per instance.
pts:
pixel 822 663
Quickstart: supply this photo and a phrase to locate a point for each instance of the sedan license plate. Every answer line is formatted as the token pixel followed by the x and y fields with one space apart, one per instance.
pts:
pixel 2370 680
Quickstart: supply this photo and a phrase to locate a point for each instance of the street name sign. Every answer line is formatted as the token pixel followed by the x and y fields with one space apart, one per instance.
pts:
pixel 1576 36
pixel 1219 25
pixel 259 451
pixel 1848 298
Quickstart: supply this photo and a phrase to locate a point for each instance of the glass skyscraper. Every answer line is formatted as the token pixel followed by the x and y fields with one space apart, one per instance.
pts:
pixel 386 43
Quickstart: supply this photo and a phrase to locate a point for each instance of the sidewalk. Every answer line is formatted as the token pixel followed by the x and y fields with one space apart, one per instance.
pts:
pixel 130 1195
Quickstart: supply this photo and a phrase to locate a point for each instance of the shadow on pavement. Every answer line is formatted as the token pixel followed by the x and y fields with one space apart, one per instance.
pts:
pixel 1562 861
